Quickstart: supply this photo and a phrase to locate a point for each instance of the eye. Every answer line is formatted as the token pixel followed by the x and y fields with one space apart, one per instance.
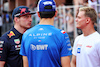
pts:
pixel 26 16
pixel 78 17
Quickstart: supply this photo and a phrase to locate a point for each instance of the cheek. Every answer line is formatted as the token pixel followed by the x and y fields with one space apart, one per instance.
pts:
pixel 23 23
pixel 79 23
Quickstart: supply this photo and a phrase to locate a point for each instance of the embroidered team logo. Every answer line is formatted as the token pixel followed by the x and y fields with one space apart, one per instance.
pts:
pixel 11 34
pixel 17 41
pixel 88 46
pixel 17 47
pixel 22 10
pixel 1 46
pixel 41 29
pixel 2 42
pixel 79 45
pixel 39 40
pixel 78 50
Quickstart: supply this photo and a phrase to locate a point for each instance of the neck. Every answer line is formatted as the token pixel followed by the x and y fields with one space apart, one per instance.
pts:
pixel 19 29
pixel 47 21
pixel 88 30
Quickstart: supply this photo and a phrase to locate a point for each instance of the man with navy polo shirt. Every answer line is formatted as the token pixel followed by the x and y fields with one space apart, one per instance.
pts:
pixel 10 42
pixel 44 45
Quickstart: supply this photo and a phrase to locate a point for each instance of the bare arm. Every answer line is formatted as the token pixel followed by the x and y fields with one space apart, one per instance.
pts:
pixel 71 20
pixel 25 61
pixel 65 61
pixel 73 61
pixel 2 63
pixel 75 2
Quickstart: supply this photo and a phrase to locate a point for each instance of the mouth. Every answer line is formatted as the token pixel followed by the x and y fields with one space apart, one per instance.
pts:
pixel 29 24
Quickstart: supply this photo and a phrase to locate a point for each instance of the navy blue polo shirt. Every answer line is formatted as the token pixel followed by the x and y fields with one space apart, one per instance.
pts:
pixel 10 44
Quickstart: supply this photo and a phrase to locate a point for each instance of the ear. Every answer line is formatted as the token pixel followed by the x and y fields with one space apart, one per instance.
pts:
pixel 88 20
pixel 38 14
pixel 56 13
pixel 16 19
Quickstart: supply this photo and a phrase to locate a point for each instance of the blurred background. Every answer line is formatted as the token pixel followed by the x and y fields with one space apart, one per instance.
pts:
pixel 65 20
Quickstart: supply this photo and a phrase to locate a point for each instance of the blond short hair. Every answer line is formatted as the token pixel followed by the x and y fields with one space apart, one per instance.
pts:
pixel 89 12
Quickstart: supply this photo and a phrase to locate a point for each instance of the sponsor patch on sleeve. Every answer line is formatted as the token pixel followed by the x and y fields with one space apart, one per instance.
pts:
pixel 1 46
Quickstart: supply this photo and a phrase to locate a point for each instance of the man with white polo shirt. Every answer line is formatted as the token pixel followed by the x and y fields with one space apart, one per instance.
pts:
pixel 86 50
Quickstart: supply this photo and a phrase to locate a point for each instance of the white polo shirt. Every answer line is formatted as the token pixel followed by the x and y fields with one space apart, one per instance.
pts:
pixel 87 50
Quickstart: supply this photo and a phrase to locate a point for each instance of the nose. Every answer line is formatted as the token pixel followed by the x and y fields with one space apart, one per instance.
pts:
pixel 30 19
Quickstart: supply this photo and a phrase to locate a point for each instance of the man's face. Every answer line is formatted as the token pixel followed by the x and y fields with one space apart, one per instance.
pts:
pixel 25 21
pixel 81 20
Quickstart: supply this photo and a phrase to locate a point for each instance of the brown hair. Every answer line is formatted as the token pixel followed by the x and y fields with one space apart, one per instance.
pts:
pixel 89 12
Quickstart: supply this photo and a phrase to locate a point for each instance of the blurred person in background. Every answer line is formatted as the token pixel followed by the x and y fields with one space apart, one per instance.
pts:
pixel 70 26
pixel 1 23
pixel 10 42
pixel 93 4
pixel 98 22
pixel 7 21
pixel 98 8
pixel 4 27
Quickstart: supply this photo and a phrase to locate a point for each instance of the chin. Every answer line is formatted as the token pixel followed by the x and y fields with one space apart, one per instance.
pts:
pixel 78 27
pixel 28 27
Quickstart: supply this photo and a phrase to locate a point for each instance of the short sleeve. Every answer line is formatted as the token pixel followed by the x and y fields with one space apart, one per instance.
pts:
pixel 66 46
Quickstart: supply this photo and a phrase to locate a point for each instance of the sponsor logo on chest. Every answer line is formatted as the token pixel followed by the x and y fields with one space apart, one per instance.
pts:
pixel 79 48
pixel 38 47
pixel 88 46
pixel 17 47
pixel 17 41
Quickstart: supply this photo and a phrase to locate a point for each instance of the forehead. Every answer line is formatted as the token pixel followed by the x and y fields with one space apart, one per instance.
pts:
pixel 81 13
pixel 26 15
